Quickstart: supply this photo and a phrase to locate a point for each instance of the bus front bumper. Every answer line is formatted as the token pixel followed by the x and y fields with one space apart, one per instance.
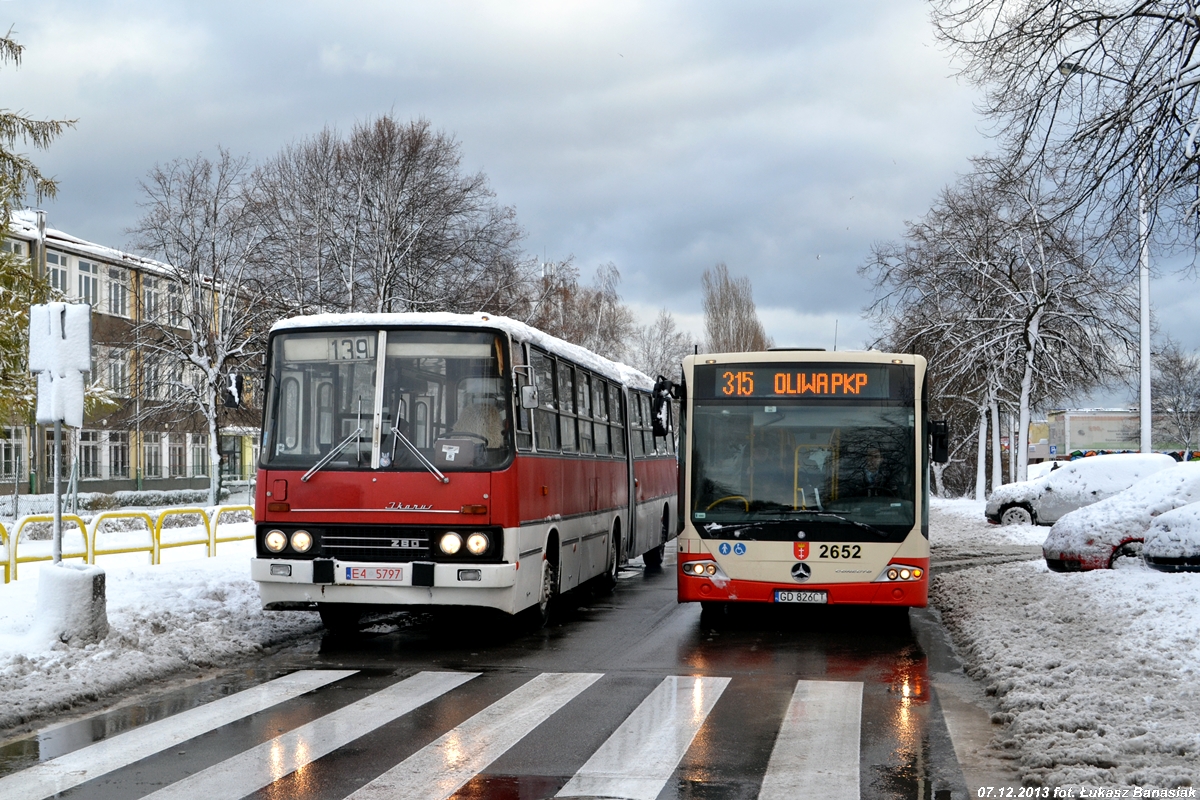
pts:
pixel 701 589
pixel 286 584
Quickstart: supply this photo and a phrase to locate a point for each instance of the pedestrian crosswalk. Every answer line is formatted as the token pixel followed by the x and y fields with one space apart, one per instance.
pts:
pixel 817 742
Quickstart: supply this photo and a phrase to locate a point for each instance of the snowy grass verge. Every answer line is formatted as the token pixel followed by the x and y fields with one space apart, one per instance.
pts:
pixel 1097 675
pixel 199 613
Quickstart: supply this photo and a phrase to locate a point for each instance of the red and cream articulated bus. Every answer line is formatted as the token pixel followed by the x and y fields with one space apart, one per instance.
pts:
pixel 805 478
pixel 450 460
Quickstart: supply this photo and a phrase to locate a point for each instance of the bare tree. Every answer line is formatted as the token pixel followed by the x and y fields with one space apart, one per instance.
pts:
pixel 589 316
pixel 731 321
pixel 1005 299
pixel 659 348
pixel 385 219
pixel 1176 394
pixel 1103 91
pixel 196 221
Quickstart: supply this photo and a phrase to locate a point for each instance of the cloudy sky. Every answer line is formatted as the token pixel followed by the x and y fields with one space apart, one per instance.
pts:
pixel 781 138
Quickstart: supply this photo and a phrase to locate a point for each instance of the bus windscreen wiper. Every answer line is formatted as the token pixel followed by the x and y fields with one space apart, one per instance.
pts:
pixel 818 515
pixel 412 448
pixel 332 454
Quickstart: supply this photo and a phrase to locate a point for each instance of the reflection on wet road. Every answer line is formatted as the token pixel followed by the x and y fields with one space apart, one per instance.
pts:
pixel 626 695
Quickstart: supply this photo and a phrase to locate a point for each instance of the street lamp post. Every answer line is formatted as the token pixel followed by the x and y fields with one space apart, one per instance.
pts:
pixel 1145 444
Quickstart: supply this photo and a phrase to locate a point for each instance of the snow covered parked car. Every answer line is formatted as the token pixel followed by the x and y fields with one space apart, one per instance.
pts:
pixel 1173 541
pixel 1043 501
pixel 1095 536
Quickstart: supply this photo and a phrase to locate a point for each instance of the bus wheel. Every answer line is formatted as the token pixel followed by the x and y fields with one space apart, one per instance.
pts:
pixel 545 606
pixel 340 620
pixel 653 558
pixel 609 581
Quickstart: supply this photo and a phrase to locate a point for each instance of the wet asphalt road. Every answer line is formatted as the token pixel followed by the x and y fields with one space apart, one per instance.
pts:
pixel 630 643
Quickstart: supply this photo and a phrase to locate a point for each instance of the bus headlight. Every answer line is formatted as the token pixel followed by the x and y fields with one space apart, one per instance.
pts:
pixel 275 541
pixel 700 569
pixel 450 543
pixel 901 572
pixel 477 543
pixel 302 541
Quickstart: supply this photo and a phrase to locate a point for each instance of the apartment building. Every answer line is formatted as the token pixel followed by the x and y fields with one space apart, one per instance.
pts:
pixel 148 438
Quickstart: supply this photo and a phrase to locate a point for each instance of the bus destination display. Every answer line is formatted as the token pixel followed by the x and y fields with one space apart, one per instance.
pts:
pixel 832 380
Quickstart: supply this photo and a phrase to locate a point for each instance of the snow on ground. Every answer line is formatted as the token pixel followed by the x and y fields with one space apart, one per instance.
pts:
pixel 196 613
pixel 1096 674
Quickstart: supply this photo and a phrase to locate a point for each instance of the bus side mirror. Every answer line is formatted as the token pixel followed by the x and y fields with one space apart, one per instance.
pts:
pixel 529 397
pixel 660 407
pixel 939 439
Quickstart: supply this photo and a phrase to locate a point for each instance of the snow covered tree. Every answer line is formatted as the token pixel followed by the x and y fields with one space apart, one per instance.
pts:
pixel 1004 297
pixel 1176 393
pixel 1105 92
pixel 20 285
pixel 731 321
pixel 196 220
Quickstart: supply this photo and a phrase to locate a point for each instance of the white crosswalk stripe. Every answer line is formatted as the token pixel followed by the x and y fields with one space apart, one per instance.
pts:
pixel 268 762
pixel 817 745
pixel 80 766
pixel 442 768
pixel 816 750
pixel 638 759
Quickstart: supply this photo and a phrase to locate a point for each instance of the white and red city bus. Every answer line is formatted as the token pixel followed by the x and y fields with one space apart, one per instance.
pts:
pixel 804 478
pixel 450 460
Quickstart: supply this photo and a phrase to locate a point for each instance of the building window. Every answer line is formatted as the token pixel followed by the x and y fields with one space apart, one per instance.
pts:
pixel 12 453
pixel 151 298
pixel 118 292
pixel 176 455
pixel 174 305
pixel 118 454
pixel 89 454
pixel 89 282
pixel 16 248
pixel 199 454
pixel 56 266
pixel 152 455
pixel 117 371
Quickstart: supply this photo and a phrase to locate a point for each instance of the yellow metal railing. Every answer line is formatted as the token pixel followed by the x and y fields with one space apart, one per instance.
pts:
pixel 211 520
pixel 15 558
pixel 180 512
pixel 150 547
pixel 219 512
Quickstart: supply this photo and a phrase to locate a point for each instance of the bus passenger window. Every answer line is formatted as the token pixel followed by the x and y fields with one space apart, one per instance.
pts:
pixel 545 419
pixel 617 418
pixel 566 399
pixel 583 404
pixel 600 414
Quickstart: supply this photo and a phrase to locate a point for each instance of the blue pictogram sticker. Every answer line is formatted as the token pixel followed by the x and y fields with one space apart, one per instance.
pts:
pixel 724 548
pixel 739 549
pixel 348 572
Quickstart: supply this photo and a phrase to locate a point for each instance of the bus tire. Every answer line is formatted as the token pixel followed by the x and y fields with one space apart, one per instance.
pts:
pixel 543 612
pixel 653 557
pixel 340 619
pixel 609 581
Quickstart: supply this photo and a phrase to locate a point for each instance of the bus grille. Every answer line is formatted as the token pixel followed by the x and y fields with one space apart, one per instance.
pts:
pixel 402 547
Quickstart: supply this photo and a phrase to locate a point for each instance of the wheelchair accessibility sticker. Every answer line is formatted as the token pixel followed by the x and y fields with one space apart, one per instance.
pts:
pixel 739 549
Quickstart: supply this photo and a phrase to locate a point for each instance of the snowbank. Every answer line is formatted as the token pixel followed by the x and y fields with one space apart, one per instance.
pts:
pixel 203 612
pixel 1096 674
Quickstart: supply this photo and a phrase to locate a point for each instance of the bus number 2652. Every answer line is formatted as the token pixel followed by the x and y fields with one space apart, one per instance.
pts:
pixel 842 551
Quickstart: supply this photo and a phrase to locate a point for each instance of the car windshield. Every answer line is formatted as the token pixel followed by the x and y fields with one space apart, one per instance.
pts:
pixel 771 471
pixel 442 391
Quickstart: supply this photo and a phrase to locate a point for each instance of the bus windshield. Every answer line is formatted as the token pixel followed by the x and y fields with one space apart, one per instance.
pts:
pixel 442 391
pixel 790 469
